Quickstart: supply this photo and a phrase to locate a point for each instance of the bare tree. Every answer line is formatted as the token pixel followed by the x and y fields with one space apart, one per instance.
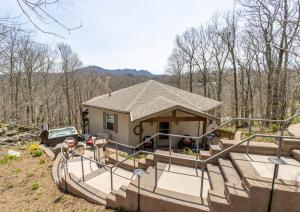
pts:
pixel 188 44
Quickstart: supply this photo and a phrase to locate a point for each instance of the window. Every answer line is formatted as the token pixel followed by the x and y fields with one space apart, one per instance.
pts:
pixel 110 120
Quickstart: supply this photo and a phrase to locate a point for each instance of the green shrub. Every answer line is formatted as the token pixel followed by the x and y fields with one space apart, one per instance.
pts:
pixel 37 153
pixel 123 154
pixel 7 158
pixel 35 186
pixel 188 151
pixel 32 147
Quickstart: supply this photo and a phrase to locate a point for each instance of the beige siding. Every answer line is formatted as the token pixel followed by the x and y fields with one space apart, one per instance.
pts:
pixel 125 126
pixel 96 125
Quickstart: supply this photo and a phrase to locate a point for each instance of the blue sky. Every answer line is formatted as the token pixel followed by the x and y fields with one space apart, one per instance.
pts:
pixel 124 33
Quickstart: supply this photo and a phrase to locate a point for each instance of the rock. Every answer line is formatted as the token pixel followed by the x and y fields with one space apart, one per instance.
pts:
pixel 2 131
pixel 11 133
pixel 24 128
pixel 13 152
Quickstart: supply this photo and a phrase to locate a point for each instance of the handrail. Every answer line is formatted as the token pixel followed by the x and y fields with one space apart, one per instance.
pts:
pixel 197 160
pixel 207 133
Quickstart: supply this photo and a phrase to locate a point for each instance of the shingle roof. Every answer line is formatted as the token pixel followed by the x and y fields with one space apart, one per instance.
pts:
pixel 151 97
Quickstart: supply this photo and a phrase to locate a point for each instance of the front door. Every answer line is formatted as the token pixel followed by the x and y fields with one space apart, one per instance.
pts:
pixel 164 127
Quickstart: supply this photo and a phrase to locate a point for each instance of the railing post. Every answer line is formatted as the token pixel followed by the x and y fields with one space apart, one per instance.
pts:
pixel 111 179
pixel 155 161
pixel 198 150
pixel 99 158
pixel 249 132
pixel 82 169
pixel 282 127
pixel 202 179
pixel 65 172
pixel 250 126
pixel 170 149
pixel 94 150
pixel 117 157
pixel 134 157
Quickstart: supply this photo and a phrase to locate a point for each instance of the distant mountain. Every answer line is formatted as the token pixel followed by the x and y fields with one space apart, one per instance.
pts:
pixel 118 72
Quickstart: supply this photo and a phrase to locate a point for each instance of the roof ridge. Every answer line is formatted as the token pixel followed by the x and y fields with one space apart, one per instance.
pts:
pixel 137 96
pixel 117 91
pixel 165 87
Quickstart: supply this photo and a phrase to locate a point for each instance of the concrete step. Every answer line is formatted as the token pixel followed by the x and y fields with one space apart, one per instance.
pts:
pixel 257 172
pixel 264 148
pixel 157 199
pixel 76 187
pixel 237 196
pixel 164 157
pixel 296 154
pixel 216 196
pixel 214 149
pixel 288 145
pixel 204 154
pixel 128 164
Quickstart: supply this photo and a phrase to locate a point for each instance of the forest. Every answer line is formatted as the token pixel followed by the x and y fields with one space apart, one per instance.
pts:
pixel 247 57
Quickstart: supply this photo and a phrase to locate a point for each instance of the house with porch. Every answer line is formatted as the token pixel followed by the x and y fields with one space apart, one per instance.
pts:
pixel 131 114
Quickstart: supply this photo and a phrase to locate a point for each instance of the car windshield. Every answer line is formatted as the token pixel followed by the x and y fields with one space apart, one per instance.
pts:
pixel 62 132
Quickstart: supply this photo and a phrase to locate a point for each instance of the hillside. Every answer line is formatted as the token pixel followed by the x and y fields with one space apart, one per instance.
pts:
pixel 118 72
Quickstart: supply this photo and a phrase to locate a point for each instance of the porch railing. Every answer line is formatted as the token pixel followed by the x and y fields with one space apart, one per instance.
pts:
pixel 283 124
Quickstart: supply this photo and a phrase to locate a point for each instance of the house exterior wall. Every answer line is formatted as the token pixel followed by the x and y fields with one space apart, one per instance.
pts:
pixel 126 134
pixel 96 124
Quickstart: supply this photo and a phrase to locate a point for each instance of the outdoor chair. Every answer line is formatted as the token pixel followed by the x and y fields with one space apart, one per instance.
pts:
pixel 149 144
pixel 186 142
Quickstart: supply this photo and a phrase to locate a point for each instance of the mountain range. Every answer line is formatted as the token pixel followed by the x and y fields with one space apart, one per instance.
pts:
pixel 118 72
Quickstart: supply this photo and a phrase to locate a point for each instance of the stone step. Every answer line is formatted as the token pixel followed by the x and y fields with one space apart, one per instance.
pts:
pixel 216 196
pixel 296 154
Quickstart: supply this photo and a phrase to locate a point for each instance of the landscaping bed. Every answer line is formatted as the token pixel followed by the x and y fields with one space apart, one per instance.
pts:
pixel 26 184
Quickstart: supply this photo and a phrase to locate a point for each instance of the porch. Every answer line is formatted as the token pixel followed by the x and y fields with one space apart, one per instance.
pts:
pixel 186 124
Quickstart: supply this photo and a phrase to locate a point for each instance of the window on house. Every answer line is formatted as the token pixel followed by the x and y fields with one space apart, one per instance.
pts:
pixel 110 120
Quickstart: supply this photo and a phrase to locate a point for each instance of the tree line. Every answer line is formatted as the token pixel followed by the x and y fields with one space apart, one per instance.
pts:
pixel 41 83
pixel 247 57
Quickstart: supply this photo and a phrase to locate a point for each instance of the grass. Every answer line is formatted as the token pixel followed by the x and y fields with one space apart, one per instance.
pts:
pixel 42 161
pixel 35 186
pixel 17 171
pixel 7 158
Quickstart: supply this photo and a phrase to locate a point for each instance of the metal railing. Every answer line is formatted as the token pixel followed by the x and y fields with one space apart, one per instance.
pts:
pixel 283 124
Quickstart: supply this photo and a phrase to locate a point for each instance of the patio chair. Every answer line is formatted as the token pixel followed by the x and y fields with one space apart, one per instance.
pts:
pixel 149 144
pixel 186 142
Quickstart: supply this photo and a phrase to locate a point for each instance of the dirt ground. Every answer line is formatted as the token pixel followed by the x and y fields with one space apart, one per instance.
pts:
pixel 26 185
